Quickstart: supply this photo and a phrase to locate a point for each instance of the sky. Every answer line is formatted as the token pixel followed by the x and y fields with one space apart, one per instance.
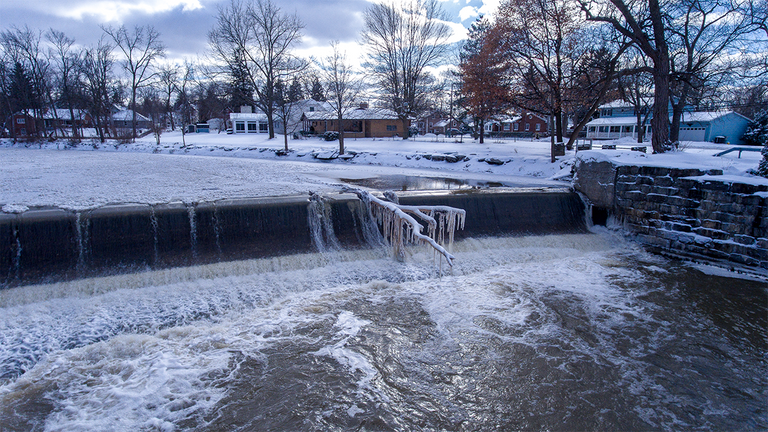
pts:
pixel 184 24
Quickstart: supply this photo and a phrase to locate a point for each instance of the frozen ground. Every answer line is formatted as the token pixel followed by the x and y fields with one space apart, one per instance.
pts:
pixel 219 166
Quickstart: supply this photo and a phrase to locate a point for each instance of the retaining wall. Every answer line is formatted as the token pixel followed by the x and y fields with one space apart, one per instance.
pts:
pixel 689 212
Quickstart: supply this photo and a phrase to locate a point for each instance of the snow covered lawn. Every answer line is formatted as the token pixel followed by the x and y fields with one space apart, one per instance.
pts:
pixel 219 166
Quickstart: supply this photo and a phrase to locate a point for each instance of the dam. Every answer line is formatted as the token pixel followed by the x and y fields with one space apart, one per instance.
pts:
pixel 282 314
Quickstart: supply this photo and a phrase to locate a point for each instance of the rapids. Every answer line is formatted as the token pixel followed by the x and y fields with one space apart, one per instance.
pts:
pixel 553 332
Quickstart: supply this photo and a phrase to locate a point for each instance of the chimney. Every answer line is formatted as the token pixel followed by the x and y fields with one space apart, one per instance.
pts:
pixel 246 109
pixel 363 105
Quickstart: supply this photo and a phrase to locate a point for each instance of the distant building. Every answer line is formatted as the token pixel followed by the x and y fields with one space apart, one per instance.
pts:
pixel 26 123
pixel 526 124
pixel 362 122
pixel 122 118
pixel 619 119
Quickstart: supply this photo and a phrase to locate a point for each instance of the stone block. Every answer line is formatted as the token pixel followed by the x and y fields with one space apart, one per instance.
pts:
pixel 711 233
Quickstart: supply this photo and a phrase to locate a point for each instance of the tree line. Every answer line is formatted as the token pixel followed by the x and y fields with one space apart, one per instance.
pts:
pixel 563 58
pixel 559 58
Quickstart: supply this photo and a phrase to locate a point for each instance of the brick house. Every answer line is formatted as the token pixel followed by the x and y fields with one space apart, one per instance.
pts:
pixel 362 122
pixel 526 124
pixel 26 124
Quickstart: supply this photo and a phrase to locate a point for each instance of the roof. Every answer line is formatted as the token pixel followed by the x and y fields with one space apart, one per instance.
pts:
pixel 63 114
pixel 127 115
pixel 257 116
pixel 624 104
pixel 705 116
pixel 354 114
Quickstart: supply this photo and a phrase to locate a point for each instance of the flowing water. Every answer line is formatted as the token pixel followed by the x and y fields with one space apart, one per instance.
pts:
pixel 556 332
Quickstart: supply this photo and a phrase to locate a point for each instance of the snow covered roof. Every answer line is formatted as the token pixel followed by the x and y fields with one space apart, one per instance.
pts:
pixel 258 116
pixel 704 116
pixel 696 116
pixel 354 114
pixel 64 114
pixel 441 123
pixel 127 115
pixel 624 104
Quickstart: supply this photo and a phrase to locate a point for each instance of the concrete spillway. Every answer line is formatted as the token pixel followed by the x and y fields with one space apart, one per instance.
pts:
pixel 46 245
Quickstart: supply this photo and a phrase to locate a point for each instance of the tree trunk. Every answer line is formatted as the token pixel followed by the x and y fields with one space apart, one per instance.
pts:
pixel 660 120
pixel 677 113
pixel 341 135
pixel 405 128
pixel 481 130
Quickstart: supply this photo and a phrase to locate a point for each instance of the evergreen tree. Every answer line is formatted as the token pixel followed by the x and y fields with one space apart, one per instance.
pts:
pixel 295 92
pixel 239 89
pixel 757 132
pixel 316 92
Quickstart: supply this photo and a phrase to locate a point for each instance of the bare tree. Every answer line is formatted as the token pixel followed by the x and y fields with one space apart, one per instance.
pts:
pixel 67 60
pixel 645 24
pixel 141 48
pixel 705 35
pixel 257 39
pixel 24 46
pixel 543 41
pixel 96 69
pixel 404 39
pixel 343 86
pixel 184 100
pixel 168 82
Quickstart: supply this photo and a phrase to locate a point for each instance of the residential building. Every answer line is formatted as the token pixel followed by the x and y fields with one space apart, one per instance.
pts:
pixel 361 122
pixel 618 120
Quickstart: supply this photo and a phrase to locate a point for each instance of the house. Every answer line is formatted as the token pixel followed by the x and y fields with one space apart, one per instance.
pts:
pixel 526 124
pixel 618 120
pixel 122 118
pixel 297 110
pixel 26 123
pixel 358 122
pixel 436 122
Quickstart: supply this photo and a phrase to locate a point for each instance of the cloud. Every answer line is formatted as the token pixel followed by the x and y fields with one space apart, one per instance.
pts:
pixel 468 12
pixel 118 10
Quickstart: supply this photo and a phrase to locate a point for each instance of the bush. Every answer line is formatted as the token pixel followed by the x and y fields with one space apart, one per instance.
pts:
pixel 330 136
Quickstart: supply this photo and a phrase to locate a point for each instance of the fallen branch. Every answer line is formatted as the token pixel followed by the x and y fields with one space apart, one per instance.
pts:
pixel 399 227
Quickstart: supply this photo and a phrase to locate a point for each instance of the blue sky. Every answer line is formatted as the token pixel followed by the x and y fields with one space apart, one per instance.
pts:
pixel 184 24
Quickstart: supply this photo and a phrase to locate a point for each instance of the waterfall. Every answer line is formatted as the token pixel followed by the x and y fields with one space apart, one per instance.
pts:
pixel 153 223
pixel 320 219
pixel 192 229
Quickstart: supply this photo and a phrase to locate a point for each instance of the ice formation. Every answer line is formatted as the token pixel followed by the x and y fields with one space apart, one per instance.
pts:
pixel 399 227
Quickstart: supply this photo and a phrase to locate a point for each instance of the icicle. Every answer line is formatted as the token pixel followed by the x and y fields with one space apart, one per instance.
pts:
pixel 320 219
pixel 401 228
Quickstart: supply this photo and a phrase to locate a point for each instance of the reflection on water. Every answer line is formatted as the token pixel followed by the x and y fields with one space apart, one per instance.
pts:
pixel 560 332
pixel 418 183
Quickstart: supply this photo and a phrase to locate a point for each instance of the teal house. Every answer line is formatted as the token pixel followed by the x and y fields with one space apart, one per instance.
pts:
pixel 618 120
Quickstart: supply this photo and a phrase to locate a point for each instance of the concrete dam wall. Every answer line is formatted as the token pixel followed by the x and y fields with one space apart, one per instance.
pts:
pixel 48 245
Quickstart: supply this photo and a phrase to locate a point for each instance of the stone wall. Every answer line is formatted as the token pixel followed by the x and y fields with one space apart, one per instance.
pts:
pixel 685 211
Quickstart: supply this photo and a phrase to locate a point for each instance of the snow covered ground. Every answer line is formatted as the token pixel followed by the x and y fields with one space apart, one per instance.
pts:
pixel 219 166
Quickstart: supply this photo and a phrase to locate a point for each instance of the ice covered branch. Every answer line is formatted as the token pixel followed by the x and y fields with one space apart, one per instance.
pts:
pixel 399 227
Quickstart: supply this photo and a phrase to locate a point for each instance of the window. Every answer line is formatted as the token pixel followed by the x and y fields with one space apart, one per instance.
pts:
pixel 506 126
pixel 240 127
pixel 615 128
pixel 263 127
pixel 591 129
pixel 252 127
pixel 628 129
pixel 527 127
pixel 21 120
pixel 538 127
pixel 391 128
pixel 311 109
pixel 602 128
pixel 516 126
pixel 22 132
